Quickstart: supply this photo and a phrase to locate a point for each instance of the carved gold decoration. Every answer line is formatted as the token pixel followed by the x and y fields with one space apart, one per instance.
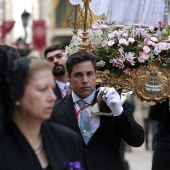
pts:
pixel 78 19
pixel 102 76
pixel 159 89
pixel 150 84
pixel 82 20
pixel 87 24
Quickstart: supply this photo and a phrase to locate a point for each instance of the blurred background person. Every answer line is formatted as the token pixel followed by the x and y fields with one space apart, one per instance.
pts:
pixel 161 157
pixel 13 54
pixel 55 54
pixel 12 51
pixel 147 123
pixel 27 140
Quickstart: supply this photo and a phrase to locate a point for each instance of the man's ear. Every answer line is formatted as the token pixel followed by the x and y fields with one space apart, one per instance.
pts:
pixel 69 77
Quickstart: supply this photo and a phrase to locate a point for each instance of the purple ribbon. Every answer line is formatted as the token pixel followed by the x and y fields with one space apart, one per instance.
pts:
pixel 72 165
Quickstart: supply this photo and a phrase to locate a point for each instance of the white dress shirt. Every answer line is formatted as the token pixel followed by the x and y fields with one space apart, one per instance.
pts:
pixel 94 120
pixel 63 87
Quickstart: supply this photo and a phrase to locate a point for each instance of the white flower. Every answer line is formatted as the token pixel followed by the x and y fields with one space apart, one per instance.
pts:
pixel 100 64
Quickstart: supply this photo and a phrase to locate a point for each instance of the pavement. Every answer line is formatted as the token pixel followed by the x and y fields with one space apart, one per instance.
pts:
pixel 139 158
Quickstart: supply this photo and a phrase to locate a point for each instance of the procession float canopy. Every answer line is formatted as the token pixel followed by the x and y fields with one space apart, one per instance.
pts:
pixel 131 46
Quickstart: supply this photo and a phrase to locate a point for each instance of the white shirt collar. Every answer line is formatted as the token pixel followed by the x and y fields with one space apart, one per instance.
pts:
pixel 61 85
pixel 88 99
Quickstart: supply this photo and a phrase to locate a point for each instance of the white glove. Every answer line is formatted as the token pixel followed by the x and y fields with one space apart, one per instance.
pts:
pixel 112 98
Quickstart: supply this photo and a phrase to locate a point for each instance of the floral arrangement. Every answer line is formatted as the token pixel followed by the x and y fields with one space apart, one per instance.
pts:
pixel 121 48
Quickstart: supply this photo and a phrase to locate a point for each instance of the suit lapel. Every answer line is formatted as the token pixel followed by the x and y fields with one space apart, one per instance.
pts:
pixel 57 92
pixel 70 113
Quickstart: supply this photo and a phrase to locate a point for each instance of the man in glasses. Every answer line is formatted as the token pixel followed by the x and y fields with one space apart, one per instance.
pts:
pixel 55 54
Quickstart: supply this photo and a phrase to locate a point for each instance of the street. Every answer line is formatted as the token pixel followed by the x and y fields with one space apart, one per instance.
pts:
pixel 139 158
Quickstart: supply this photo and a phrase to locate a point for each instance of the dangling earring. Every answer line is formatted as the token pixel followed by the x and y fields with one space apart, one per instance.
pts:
pixel 17 103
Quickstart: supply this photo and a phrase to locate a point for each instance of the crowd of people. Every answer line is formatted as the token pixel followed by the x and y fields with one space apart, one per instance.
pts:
pixel 45 118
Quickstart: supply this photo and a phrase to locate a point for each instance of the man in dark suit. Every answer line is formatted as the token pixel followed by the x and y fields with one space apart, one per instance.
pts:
pixel 161 113
pixel 55 54
pixel 101 143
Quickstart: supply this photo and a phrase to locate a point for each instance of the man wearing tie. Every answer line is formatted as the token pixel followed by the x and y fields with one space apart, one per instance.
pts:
pixel 55 54
pixel 101 135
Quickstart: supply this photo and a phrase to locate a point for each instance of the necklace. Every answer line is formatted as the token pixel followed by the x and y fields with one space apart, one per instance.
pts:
pixel 39 148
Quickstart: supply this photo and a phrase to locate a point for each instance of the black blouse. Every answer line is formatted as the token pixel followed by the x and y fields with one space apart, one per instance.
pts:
pixel 47 168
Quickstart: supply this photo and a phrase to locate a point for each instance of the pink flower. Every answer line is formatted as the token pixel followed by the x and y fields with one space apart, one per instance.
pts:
pixel 113 61
pixel 120 62
pixel 138 25
pixel 144 34
pixel 162 46
pixel 122 41
pixel 127 70
pixel 139 47
pixel 104 43
pixel 120 50
pixel 124 34
pixel 111 35
pixel 94 27
pixel 134 33
pixel 99 32
pixel 129 57
pixel 120 65
pixel 103 26
pixel 151 29
pixel 110 43
pixel 146 49
pixel 160 24
pixel 94 47
pixel 143 57
pixel 131 40
pixel 169 38
pixel 147 42
pixel 119 26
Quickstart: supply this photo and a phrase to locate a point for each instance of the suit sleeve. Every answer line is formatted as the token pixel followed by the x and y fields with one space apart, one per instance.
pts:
pixel 130 130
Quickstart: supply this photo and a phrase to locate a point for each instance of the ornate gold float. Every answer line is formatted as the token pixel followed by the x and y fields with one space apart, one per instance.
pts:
pixel 143 64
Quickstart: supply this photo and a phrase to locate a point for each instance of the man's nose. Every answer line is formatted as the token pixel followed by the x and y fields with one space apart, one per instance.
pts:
pixel 55 60
pixel 85 78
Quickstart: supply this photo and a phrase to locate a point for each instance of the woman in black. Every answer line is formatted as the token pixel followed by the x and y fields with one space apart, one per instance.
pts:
pixel 27 140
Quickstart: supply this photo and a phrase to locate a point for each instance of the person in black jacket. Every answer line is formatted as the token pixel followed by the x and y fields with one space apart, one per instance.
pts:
pixel 27 140
pixel 161 113
pixel 55 54
pixel 102 137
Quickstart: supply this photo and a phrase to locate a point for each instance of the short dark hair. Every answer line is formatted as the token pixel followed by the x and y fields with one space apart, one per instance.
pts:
pixel 79 57
pixel 53 48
